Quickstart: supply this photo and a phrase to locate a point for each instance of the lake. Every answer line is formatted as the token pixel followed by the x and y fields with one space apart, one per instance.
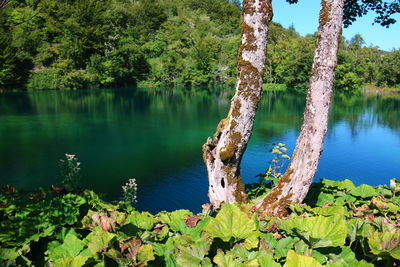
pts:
pixel 156 138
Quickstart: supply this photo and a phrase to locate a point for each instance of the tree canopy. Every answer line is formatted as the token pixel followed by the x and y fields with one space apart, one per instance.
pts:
pixel 57 44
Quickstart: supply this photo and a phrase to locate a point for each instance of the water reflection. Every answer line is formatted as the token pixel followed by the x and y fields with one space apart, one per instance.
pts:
pixel 157 137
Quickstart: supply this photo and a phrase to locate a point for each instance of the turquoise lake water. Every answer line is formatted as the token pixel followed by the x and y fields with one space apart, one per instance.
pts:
pixel 156 138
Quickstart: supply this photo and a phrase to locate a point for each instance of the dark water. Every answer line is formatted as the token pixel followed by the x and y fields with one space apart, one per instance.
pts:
pixel 157 138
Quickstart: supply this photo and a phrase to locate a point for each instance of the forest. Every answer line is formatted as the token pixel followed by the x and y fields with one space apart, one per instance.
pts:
pixel 63 44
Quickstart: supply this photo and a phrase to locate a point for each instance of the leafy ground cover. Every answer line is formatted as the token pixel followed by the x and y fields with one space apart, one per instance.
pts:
pixel 341 225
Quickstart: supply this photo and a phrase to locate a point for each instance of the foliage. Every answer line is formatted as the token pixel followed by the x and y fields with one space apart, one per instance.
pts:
pixel 7 60
pixel 59 44
pixel 129 191
pixel 274 87
pixel 70 168
pixel 342 225
pixel 274 172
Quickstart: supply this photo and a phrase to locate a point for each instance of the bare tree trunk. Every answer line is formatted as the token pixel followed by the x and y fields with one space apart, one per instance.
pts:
pixel 223 153
pixel 4 3
pixel 295 183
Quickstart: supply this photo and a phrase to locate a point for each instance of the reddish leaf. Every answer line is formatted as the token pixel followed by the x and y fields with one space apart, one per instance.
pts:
pixel 59 190
pixel 277 236
pixel 123 247
pixel 191 221
pixel 363 208
pixel 106 223
pixel 134 246
pixel 273 227
pixel 370 216
pixel 377 201
pixel 157 229
pixel 264 246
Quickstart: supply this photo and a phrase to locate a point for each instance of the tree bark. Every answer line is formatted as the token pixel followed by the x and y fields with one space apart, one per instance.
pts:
pixel 222 154
pixel 294 184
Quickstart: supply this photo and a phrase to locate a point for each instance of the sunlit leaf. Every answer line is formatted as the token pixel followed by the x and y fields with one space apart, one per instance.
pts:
pixel 364 191
pixel 176 219
pixel 145 254
pixel 8 253
pixel 296 260
pixel 69 249
pixel 229 259
pixel 325 198
pixel 193 253
pixel 385 243
pixel 343 185
pixel 99 240
pixel 319 231
pixel 231 222
pixel 346 258
pixel 77 261
pixel 142 220
pixel 329 211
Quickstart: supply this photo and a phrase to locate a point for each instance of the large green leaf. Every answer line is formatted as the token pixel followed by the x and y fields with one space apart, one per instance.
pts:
pixel 231 222
pixel 240 256
pixel 196 232
pixel 77 261
pixel 319 231
pixel 357 228
pixel 363 191
pixel 325 198
pixel 296 260
pixel 10 254
pixel 229 259
pixel 145 254
pixel 283 246
pixel 266 260
pixel 142 220
pixel 346 258
pixel 384 243
pixel 329 211
pixel 167 251
pixel 279 247
pixel 99 240
pixel 343 185
pixel 69 249
pixel 193 252
pixel 175 219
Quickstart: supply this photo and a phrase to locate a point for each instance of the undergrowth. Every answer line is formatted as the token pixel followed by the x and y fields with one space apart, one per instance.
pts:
pixel 341 225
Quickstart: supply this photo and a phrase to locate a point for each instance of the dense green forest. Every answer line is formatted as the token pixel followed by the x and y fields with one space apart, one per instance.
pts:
pixel 65 44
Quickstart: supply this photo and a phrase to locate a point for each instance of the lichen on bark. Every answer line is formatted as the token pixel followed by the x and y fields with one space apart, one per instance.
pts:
pixel 294 184
pixel 223 153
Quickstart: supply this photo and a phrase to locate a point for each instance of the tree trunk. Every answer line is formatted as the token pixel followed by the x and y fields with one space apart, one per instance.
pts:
pixel 222 154
pixel 295 183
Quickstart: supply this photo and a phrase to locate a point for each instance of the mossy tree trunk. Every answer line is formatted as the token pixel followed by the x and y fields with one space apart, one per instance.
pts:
pixel 223 153
pixel 295 183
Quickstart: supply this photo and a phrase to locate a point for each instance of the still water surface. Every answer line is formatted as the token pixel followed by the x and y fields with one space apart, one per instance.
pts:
pixel 156 138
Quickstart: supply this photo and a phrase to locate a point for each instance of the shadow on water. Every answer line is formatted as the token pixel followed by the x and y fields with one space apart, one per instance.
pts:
pixel 156 137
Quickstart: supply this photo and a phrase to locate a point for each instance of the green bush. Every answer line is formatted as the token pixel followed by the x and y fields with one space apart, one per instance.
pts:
pixel 44 79
pixel 78 79
pixel 55 78
pixel 274 87
pixel 341 225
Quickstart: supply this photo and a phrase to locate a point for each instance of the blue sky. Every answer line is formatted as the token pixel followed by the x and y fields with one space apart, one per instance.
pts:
pixel 304 17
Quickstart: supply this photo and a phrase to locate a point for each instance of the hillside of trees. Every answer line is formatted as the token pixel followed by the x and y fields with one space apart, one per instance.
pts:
pixel 65 44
